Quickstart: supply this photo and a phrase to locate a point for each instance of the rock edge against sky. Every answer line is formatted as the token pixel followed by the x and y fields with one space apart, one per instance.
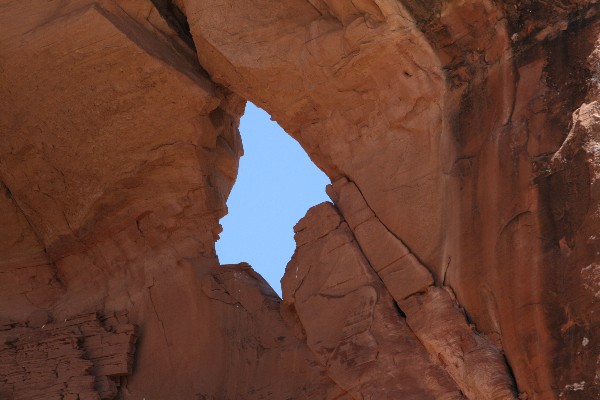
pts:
pixel 459 257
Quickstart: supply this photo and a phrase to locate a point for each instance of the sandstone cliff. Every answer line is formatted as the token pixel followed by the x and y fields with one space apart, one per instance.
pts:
pixel 459 257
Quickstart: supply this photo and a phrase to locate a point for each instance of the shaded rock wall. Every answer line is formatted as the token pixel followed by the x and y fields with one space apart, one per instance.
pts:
pixel 81 357
pixel 118 154
pixel 459 258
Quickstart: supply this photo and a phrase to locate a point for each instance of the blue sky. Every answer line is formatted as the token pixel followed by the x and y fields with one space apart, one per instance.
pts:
pixel 277 183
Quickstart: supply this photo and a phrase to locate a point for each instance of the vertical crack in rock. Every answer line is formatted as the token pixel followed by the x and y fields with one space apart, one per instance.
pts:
pixel 450 117
pixel 160 322
pixel 433 315
pixel 176 19
pixel 402 272
pixel 9 195
pixel 366 348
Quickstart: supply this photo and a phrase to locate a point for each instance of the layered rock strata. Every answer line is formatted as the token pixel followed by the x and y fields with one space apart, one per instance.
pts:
pixel 462 186
pixel 369 348
pixel 477 367
pixel 79 358
pixel 460 259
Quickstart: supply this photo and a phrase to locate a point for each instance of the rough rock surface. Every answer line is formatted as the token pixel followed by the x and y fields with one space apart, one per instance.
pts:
pixel 367 348
pixel 476 366
pixel 78 358
pixel 460 257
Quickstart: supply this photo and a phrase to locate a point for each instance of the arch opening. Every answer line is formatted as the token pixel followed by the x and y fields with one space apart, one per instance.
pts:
pixel 276 184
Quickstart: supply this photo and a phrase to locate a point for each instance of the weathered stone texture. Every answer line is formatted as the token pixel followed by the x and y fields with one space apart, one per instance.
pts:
pixel 78 358
pixel 350 320
pixel 460 258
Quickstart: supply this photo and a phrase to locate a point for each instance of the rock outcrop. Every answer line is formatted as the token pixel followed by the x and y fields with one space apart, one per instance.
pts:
pixel 79 358
pixel 460 257
pixel 475 365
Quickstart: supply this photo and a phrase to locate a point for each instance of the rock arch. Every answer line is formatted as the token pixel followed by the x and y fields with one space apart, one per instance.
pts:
pixel 443 126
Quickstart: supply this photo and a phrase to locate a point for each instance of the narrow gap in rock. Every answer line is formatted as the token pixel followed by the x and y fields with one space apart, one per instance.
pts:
pixel 399 310
pixel 176 20
pixel 276 184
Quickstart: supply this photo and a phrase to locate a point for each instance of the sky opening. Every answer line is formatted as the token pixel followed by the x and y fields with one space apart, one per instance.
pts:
pixel 277 183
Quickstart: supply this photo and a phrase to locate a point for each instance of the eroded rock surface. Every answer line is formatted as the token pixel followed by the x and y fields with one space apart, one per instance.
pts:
pixel 475 364
pixel 366 348
pixel 79 358
pixel 460 258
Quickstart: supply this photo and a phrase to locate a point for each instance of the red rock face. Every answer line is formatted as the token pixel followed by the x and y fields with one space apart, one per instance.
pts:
pixel 82 357
pixel 460 255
